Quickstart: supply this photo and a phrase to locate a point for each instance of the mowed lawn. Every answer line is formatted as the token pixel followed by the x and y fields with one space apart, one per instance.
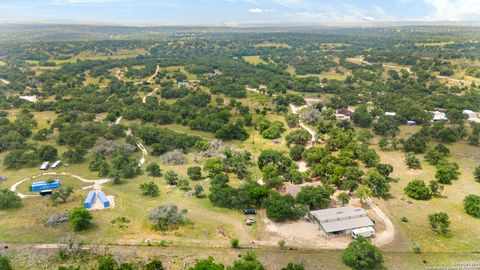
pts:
pixel 465 230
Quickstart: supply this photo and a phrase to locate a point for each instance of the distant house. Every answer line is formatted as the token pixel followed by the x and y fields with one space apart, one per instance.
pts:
pixel 343 114
pixel 29 98
pixel 341 221
pixel 439 116
pixel 471 114
pixel 411 123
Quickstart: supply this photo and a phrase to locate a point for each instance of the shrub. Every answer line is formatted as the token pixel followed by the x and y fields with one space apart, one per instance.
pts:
pixel 194 173
pixel 154 170
pixel 418 190
pixel 5 263
pixel 167 217
pixel 80 219
pixel 471 204
pixel 175 157
pixel 8 199
pixel 235 243
pixel 440 222
pixel 149 189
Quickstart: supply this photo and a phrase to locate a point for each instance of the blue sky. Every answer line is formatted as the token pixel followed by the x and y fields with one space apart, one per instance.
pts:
pixel 236 12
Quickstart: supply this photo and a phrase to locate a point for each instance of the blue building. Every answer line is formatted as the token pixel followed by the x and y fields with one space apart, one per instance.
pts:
pixel 90 199
pixel 103 199
pixel 42 185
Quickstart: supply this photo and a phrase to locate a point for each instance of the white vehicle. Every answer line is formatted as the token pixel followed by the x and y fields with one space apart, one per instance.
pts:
pixel 55 164
pixel 365 232
pixel 44 166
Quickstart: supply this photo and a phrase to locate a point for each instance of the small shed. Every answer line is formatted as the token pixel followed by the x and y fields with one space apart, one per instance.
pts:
pixel 43 185
pixel 439 116
pixel 411 123
pixel 90 199
pixel 103 198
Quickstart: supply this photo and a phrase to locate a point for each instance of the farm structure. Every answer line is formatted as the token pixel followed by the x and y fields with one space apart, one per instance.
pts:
pixel 340 221
pixel 44 185
pixel 90 199
pixel 55 164
pixel 91 202
pixel 44 166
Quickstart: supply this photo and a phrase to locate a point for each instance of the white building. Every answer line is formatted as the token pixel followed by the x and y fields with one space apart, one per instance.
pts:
pixel 341 221
pixel 439 116
pixel 471 114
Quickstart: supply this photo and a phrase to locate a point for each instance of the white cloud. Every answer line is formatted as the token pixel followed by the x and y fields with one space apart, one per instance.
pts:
pixel 260 10
pixel 453 10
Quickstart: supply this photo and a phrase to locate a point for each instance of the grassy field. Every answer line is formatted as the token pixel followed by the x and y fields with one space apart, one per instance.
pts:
pixel 273 45
pixel 254 60
pixel 179 258
pixel 438 44
pixel 465 232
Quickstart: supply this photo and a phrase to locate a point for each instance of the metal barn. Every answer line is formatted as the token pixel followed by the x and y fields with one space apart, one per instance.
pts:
pixel 103 198
pixel 42 185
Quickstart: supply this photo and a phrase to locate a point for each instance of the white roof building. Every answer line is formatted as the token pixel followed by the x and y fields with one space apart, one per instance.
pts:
pixel 439 116
pixel 470 113
pixel 341 219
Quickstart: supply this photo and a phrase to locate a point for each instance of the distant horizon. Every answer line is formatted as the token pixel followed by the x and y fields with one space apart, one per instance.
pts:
pixel 252 25
pixel 239 13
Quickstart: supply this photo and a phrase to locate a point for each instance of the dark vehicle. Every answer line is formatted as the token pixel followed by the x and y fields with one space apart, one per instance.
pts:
pixel 249 212
pixel 46 192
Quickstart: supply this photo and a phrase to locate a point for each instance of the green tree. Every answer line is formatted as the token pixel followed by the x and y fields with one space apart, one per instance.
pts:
pixel 154 170
pixel 61 195
pixel 296 152
pixel 477 174
pixel 418 190
pixel 363 192
pixel 8 199
pixel 194 173
pixel 172 178
pixel 106 262
pixel 280 208
pixel 440 222
pixel 417 143
pixel 447 172
pixel 471 204
pixel 47 153
pixel 80 219
pixel 362 255
pixel 383 144
pixel 249 261
pixel 198 191
pixel 149 189
pixel 207 264
pixel 344 198
pixel 435 188
pixel 377 183
pixel 361 117
pixel 315 197
pixel 299 136
pixel 412 161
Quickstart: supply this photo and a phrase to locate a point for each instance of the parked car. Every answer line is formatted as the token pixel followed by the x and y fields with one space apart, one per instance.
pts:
pixel 249 212
pixel 250 221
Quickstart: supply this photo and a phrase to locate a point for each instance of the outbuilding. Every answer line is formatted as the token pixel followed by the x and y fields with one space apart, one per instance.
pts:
pixel 411 123
pixel 89 200
pixel 55 164
pixel 103 199
pixel 44 185
pixel 44 166
pixel 341 221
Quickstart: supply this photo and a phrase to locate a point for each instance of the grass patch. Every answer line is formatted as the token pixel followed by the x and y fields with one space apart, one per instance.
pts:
pixel 254 60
